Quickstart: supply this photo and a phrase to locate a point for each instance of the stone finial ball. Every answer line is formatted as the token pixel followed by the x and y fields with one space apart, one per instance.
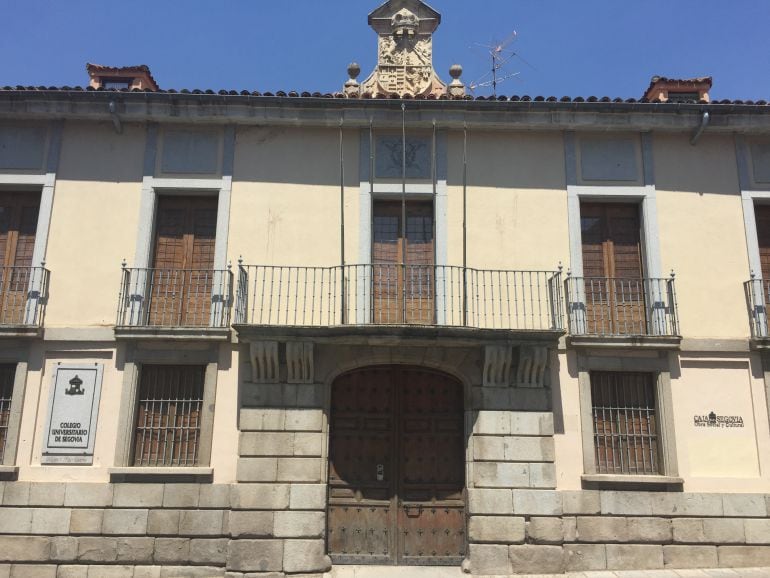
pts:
pixel 354 69
pixel 456 71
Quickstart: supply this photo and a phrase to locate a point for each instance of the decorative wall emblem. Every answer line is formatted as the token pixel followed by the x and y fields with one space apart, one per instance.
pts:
pixel 76 387
pixel 390 158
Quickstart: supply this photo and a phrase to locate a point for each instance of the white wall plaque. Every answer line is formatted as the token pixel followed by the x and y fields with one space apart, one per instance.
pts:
pixel 73 409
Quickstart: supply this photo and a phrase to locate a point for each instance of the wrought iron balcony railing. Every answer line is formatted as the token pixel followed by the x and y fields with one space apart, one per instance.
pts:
pixel 23 296
pixel 602 306
pixel 387 294
pixel 757 297
pixel 175 298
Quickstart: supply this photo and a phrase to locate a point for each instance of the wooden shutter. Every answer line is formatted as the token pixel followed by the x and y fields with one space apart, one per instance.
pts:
pixel 612 268
pixel 183 261
pixel 403 271
pixel 18 225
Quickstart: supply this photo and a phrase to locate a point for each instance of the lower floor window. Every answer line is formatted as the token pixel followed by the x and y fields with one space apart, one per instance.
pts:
pixel 168 425
pixel 7 373
pixel 625 423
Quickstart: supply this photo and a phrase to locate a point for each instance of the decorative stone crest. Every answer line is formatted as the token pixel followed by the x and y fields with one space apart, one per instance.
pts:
pixel 405 50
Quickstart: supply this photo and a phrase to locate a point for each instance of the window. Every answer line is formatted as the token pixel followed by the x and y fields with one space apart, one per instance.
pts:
pixel 168 422
pixel 18 225
pixel 612 266
pixel 403 257
pixel 182 278
pixel 7 373
pixel 625 428
pixel 116 83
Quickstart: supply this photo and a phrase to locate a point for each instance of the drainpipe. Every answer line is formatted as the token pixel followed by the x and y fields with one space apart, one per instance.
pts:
pixel 704 122
pixel 343 304
pixel 115 118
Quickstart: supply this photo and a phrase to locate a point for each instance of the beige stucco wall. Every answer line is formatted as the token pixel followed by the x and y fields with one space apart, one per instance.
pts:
pixel 722 459
pixel 94 222
pixel 286 197
pixel 516 200
pixel 702 233
pixel 43 359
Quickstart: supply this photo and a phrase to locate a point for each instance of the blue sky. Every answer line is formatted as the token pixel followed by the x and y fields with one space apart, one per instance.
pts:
pixel 585 48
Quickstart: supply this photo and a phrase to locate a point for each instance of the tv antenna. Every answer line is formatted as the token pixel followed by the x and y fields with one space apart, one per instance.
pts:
pixel 500 54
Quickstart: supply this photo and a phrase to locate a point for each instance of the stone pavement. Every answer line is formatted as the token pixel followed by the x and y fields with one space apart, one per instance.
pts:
pixel 436 572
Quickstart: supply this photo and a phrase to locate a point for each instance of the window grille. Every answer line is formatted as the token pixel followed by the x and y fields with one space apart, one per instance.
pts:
pixel 7 373
pixel 625 423
pixel 168 416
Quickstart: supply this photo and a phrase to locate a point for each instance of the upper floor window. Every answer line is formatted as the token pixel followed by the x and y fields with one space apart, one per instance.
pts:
pixel 182 275
pixel 116 83
pixel 612 269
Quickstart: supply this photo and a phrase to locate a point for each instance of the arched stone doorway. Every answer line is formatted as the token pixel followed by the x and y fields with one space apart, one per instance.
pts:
pixel 396 468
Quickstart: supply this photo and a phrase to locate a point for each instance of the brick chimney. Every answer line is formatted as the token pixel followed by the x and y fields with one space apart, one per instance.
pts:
pixel 121 77
pixel 678 89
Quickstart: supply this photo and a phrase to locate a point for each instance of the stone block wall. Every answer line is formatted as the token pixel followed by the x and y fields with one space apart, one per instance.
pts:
pixel 75 530
pixel 279 503
pixel 544 531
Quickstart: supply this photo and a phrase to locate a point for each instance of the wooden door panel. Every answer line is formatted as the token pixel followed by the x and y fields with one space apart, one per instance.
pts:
pixel 612 268
pixel 403 277
pixel 396 468
pixel 18 226
pixel 182 280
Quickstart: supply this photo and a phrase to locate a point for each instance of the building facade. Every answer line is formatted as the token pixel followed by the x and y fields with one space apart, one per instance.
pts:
pixel 281 334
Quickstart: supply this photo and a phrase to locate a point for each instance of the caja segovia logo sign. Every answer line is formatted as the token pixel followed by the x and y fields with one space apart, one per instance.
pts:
pixel 720 421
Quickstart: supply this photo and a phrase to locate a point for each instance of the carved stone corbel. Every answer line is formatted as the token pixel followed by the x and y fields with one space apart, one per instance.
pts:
pixel 497 365
pixel 533 361
pixel 299 362
pixel 264 361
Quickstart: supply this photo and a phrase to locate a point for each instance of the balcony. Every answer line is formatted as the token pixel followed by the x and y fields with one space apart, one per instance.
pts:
pixel 23 297
pixel 757 297
pixel 614 310
pixel 181 303
pixel 409 296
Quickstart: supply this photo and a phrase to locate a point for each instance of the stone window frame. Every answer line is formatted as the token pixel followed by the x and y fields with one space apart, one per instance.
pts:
pixel 155 353
pixel 751 194
pixel 41 181
pixel 372 189
pixel 8 467
pixel 153 187
pixel 660 366
pixel 644 193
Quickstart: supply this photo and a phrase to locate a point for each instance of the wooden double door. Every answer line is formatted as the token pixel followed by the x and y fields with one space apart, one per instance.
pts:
pixel 403 272
pixel 615 289
pixel 182 279
pixel 396 468
pixel 18 225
